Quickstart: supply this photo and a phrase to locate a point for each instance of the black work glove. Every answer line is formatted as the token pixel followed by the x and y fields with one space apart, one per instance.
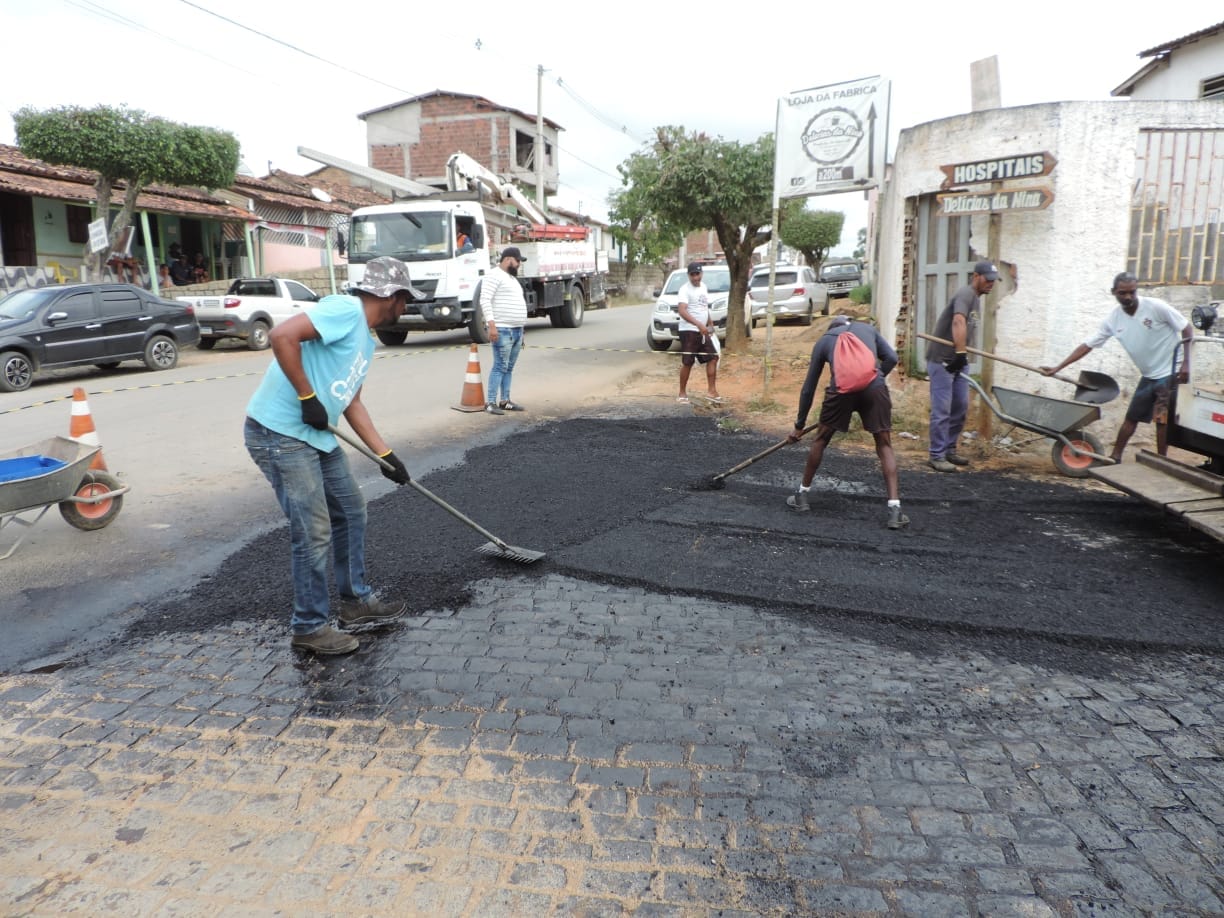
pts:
pixel 956 364
pixel 397 472
pixel 313 412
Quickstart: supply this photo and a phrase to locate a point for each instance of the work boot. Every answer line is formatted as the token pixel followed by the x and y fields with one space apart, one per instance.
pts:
pixel 941 465
pixel 956 460
pixel 799 502
pixel 369 612
pixel 897 519
pixel 327 640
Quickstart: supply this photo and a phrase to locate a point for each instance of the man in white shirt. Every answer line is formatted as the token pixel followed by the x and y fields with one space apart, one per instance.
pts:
pixel 696 331
pixel 1149 329
pixel 505 310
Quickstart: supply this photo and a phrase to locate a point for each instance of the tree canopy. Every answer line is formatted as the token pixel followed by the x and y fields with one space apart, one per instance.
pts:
pixel 689 181
pixel 812 232
pixel 647 238
pixel 128 146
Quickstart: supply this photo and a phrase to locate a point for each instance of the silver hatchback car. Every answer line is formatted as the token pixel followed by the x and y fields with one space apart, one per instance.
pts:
pixel 796 293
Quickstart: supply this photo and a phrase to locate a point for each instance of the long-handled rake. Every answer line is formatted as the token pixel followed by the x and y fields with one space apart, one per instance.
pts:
pixel 495 546
pixel 718 482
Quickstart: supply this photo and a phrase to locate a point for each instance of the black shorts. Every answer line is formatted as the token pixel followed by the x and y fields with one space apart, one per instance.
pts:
pixel 694 345
pixel 873 405
pixel 1150 401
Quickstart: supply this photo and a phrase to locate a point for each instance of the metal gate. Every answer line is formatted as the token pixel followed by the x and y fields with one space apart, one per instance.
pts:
pixel 942 265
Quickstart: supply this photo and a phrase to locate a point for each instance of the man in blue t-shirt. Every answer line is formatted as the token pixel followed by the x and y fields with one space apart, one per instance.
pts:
pixel 321 359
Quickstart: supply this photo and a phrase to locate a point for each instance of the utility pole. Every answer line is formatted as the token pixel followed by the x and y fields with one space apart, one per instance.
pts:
pixel 539 150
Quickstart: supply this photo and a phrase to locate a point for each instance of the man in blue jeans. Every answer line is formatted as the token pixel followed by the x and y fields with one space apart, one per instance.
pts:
pixel 322 356
pixel 947 366
pixel 505 310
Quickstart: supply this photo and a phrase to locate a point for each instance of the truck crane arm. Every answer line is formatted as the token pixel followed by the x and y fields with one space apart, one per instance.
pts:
pixel 462 172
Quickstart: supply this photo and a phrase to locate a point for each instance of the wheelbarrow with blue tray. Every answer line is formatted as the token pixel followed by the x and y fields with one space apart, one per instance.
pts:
pixel 1064 421
pixel 55 472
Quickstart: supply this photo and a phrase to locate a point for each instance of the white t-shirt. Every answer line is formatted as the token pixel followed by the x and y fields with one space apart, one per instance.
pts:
pixel 1150 336
pixel 697 298
pixel 502 300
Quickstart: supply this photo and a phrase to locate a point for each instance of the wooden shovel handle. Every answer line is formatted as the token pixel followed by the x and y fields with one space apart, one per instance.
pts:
pixel 1014 363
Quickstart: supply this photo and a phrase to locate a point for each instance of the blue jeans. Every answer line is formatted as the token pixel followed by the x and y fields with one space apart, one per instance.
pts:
pixel 949 405
pixel 505 354
pixel 327 517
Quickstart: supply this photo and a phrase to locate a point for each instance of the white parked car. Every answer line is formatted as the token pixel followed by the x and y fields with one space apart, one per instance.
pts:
pixel 665 320
pixel 249 310
pixel 796 293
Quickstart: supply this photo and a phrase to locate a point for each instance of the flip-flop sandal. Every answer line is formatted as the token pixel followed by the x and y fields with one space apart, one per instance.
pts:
pixel 682 400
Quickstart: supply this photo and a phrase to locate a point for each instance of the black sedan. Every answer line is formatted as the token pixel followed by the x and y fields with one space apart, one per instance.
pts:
pixel 43 328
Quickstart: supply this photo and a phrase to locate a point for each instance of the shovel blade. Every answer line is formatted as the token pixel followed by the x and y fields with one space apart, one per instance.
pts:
pixel 1095 388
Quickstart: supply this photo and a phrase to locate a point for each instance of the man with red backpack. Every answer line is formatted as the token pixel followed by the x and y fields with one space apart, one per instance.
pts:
pixel 859 358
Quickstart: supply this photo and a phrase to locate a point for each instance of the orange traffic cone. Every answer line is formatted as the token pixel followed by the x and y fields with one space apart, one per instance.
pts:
pixel 473 388
pixel 82 427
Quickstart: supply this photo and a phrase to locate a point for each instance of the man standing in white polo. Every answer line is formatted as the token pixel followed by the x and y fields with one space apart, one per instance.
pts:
pixel 505 310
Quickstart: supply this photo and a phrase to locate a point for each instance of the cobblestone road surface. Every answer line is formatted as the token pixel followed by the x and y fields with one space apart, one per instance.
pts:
pixel 558 746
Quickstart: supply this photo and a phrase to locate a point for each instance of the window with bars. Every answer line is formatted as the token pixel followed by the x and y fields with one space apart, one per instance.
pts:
pixel 1177 206
pixel 1213 88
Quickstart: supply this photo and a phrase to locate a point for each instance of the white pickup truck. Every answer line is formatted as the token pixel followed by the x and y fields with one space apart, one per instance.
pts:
pixel 249 309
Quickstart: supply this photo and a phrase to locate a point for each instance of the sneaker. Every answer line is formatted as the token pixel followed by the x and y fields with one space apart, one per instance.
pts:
pixel 799 502
pixel 369 612
pixel 956 460
pixel 327 640
pixel 897 519
pixel 941 465
pixel 493 409
pixel 510 406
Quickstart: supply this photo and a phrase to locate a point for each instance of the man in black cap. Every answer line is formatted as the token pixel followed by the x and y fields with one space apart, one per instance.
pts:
pixel 696 333
pixel 320 360
pixel 505 311
pixel 947 367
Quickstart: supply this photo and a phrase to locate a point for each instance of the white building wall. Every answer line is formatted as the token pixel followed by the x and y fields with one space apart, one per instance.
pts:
pixel 1059 263
pixel 1180 77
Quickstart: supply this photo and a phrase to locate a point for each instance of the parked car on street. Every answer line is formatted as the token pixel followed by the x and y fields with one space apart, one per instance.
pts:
pixel 665 320
pixel 796 293
pixel 841 275
pixel 250 308
pixel 64 325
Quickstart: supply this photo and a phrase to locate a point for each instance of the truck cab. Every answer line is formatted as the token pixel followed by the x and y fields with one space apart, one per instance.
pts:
pixel 426 236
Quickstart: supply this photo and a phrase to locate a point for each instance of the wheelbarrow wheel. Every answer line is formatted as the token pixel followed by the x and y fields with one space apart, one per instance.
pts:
pixel 93 516
pixel 1068 462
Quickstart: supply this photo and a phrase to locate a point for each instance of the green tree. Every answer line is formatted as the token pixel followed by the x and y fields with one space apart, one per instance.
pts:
pixel 128 147
pixel 705 183
pixel 860 248
pixel 812 232
pixel 647 238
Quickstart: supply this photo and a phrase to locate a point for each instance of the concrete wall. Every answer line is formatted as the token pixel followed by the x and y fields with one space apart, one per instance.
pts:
pixel 1060 261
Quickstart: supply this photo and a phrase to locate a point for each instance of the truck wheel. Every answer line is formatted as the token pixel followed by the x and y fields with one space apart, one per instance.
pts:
pixel 258 339
pixel 161 353
pixel 93 516
pixel 391 338
pixel 478 328
pixel 572 311
pixel 206 344
pixel 1068 463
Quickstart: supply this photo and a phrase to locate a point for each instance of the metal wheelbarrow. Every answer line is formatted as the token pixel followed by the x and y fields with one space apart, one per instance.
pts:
pixel 1075 450
pixel 56 472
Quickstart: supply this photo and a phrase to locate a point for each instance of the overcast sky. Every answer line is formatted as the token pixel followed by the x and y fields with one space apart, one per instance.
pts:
pixel 280 74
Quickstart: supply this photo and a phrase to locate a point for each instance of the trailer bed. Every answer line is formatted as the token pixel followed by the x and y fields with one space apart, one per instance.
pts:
pixel 1197 496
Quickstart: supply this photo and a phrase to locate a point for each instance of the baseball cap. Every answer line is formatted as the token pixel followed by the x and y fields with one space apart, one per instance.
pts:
pixel 384 276
pixel 987 270
pixel 694 267
pixel 512 252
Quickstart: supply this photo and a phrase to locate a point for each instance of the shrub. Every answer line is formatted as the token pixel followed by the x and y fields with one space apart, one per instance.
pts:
pixel 860 294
